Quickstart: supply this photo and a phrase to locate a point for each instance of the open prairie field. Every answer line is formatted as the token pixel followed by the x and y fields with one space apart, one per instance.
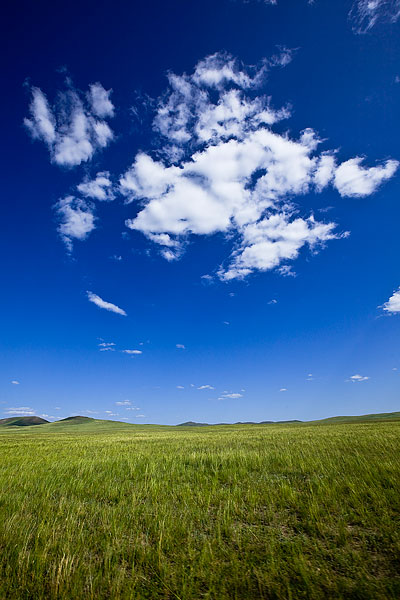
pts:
pixel 95 511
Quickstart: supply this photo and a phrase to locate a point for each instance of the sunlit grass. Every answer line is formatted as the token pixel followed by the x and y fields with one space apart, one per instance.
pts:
pixel 274 512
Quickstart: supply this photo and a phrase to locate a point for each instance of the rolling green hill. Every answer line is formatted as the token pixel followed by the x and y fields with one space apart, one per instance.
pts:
pixel 22 421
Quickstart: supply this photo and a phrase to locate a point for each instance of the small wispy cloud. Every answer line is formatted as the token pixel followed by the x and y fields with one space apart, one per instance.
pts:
pixel 132 351
pixel 20 411
pixel 206 387
pixel 124 403
pixel 180 387
pixel 364 14
pixel 15 382
pixel 106 346
pixel 357 378
pixel 283 390
pixel 180 346
pixel 106 305
pixel 392 306
pixel 230 395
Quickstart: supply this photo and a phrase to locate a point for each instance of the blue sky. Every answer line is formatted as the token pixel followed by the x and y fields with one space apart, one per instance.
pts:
pixel 200 210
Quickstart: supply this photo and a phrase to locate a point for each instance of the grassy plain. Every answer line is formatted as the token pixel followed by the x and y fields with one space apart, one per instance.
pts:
pixel 94 511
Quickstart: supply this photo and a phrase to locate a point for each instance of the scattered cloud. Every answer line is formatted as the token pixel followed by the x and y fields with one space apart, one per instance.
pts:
pixel 73 129
pixel 180 346
pixel 283 390
pixel 92 412
pixel 124 403
pixel 132 351
pixel 132 408
pixel 364 14
pixel 103 304
pixel 76 219
pixel 180 387
pixel 206 387
pixel 219 148
pixel 99 188
pixel 15 382
pixel 392 306
pixel 20 411
pixel 358 378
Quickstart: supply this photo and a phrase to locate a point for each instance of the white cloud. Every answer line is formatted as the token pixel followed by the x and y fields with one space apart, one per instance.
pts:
pixel 132 351
pixel 99 188
pixel 15 382
pixel 124 403
pixel 180 387
pixel 206 387
pixel 393 304
pixel 99 99
pixel 358 378
pixel 351 179
pixel 180 346
pixel 224 170
pixel 283 390
pixel 73 129
pixel 231 395
pixel 103 304
pixel 76 218
pixel 20 411
pixel 132 408
pixel 364 14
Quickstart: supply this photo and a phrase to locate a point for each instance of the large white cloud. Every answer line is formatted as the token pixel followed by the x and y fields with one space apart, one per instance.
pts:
pixel 223 168
pixel 74 128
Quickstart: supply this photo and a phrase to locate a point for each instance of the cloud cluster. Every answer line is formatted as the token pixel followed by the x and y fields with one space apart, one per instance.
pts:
pixel 221 168
pixel 106 305
pixel 75 127
pixel 392 306
pixel 364 14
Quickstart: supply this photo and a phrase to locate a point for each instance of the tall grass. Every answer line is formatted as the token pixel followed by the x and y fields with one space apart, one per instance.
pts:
pixel 232 512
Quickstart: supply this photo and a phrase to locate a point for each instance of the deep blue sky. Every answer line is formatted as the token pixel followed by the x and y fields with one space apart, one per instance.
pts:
pixel 249 337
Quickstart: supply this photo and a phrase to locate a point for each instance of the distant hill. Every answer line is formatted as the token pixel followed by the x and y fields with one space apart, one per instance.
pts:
pixel 195 424
pixel 76 420
pixel 98 425
pixel 392 416
pixel 22 421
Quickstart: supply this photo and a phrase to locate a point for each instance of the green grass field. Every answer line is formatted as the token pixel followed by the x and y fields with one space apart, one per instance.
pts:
pixel 107 511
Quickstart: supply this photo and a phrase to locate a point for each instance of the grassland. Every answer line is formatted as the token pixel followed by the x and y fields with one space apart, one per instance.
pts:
pixel 97 511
